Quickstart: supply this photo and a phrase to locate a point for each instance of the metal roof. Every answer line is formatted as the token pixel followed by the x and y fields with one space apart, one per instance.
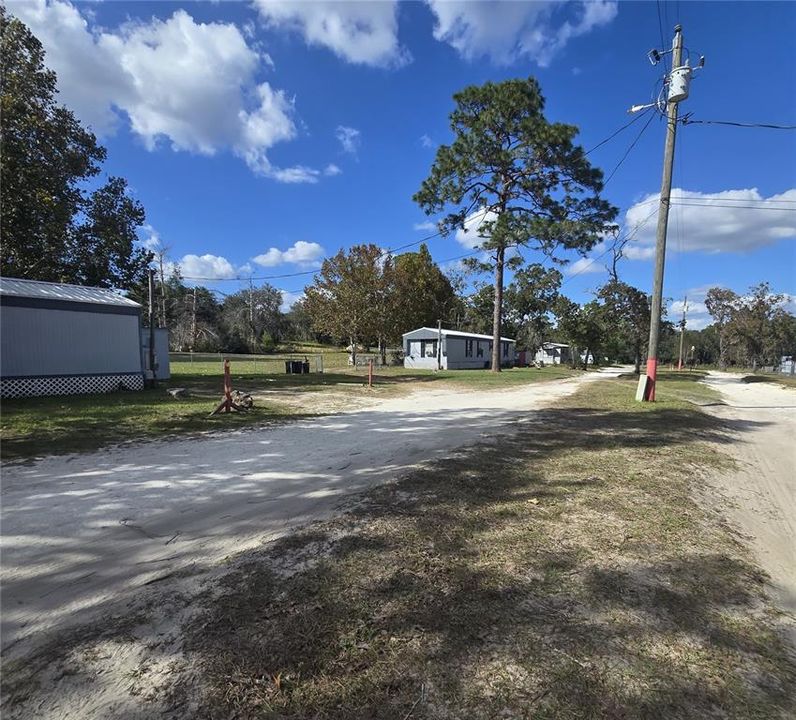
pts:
pixel 16 287
pixel 458 333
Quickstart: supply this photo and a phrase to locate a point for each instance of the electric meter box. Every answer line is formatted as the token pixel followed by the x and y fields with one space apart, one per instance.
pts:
pixel 679 81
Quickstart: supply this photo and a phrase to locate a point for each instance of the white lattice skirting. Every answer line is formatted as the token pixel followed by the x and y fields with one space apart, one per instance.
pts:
pixel 69 385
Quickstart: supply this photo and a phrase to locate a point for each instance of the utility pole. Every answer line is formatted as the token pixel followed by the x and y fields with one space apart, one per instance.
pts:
pixel 676 91
pixel 163 293
pixel 682 333
pixel 193 321
pixel 151 381
pixel 251 315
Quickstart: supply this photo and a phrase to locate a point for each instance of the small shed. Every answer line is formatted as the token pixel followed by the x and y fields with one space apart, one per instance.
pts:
pixel 58 339
pixel 551 353
pixel 456 351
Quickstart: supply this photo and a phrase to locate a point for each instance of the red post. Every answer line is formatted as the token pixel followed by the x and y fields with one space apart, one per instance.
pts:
pixel 370 373
pixel 227 387
pixel 652 373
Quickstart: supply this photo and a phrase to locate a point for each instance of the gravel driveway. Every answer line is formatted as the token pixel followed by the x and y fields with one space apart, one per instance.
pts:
pixel 81 532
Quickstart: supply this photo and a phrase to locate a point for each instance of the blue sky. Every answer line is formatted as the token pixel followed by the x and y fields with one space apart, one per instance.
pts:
pixel 262 136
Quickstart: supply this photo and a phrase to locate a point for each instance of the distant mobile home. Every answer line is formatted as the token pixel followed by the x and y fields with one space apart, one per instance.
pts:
pixel 553 354
pixel 459 351
pixel 59 339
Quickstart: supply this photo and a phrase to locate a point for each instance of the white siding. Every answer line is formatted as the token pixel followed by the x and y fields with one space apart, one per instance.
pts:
pixel 44 341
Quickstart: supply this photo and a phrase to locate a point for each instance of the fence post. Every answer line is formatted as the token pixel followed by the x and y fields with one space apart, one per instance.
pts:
pixel 370 373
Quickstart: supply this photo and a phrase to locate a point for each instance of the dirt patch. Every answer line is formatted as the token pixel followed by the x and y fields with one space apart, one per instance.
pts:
pixel 759 495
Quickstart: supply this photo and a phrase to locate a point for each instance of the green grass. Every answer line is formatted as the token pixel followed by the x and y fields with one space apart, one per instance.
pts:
pixel 260 375
pixel 39 426
pixel 43 426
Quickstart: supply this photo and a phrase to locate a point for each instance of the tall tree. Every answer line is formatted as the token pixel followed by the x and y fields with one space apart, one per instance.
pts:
pixel 347 299
pixel 252 318
pixel 530 299
pixel 521 176
pixel 422 294
pixel 583 327
pixel 721 303
pixel 52 227
pixel 104 251
pixel 629 311
pixel 754 322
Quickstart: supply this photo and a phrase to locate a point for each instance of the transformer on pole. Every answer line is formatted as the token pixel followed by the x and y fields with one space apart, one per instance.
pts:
pixel 676 87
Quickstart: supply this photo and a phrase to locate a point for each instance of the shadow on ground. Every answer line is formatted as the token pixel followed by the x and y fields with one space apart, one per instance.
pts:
pixel 562 572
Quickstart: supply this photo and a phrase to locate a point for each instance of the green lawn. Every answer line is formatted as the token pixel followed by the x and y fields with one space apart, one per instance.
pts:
pixel 40 426
pixel 262 375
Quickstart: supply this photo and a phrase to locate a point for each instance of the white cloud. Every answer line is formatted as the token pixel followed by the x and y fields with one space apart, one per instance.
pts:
pixel 151 239
pixel 473 234
pixel 427 142
pixel 425 226
pixel 289 299
pixel 727 221
pixel 509 31
pixel 331 170
pixel 192 85
pixel 364 33
pixel 210 267
pixel 349 138
pixel 305 254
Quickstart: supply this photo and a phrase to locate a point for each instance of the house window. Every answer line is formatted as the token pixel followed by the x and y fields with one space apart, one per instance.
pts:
pixel 431 348
pixel 505 349
pixel 479 352
pixel 468 348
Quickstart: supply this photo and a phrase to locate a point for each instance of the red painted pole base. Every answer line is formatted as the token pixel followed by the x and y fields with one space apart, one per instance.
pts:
pixel 652 374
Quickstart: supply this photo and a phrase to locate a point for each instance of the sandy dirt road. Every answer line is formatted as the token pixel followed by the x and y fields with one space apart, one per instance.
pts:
pixel 82 532
pixel 762 493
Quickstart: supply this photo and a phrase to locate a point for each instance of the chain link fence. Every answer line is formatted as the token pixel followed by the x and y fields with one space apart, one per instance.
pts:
pixel 187 363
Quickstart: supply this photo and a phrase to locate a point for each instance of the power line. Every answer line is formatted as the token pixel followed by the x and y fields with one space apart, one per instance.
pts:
pixel 707 200
pixel 616 132
pixel 629 235
pixel 630 148
pixel 686 120
pixel 388 251
pixel 740 207
pixel 660 27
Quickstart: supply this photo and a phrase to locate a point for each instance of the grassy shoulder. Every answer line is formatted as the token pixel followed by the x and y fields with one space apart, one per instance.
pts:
pixel 563 572
pixel 50 426
pixel 40 426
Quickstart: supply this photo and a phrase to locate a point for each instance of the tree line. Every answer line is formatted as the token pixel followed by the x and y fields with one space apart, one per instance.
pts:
pixel 517 181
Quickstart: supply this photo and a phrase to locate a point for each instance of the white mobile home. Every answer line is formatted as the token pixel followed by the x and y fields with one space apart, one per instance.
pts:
pixel 457 350
pixel 553 353
pixel 58 339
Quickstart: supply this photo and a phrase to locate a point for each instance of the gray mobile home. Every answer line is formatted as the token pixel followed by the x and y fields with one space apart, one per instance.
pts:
pixel 553 353
pixel 458 350
pixel 58 339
